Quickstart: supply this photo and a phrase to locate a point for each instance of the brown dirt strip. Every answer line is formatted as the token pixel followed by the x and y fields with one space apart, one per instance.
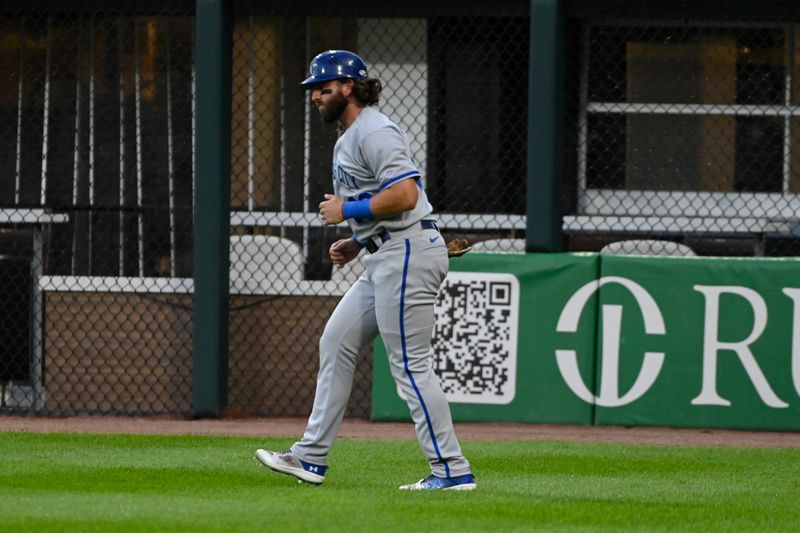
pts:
pixel 363 429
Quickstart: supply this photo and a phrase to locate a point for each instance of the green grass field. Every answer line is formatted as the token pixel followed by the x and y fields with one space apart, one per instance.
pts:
pixel 73 482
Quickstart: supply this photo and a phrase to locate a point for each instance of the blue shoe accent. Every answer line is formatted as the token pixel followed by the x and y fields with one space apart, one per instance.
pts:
pixel 314 469
pixel 465 482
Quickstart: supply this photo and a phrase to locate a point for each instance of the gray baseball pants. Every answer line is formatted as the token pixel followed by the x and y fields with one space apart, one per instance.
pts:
pixel 394 298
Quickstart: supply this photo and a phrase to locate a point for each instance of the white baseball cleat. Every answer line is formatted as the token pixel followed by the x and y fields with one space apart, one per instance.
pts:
pixel 287 463
pixel 465 482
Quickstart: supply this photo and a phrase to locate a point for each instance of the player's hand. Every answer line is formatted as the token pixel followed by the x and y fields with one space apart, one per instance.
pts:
pixel 331 210
pixel 343 251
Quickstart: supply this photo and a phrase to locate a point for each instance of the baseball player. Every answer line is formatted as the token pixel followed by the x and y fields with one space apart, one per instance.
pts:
pixel 377 190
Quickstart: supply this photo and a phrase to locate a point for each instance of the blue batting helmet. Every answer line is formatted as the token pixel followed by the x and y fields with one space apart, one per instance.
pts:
pixel 335 65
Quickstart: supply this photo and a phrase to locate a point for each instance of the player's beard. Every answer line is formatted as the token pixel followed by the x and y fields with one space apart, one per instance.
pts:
pixel 333 108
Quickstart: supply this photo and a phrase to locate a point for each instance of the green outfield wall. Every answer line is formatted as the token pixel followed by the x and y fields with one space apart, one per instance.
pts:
pixel 622 340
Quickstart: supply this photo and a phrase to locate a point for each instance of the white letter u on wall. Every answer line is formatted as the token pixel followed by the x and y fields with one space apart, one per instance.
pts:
pixel 794 294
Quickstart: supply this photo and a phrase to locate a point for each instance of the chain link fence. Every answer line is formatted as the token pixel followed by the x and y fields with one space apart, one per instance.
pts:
pixel 96 215
pixel 682 127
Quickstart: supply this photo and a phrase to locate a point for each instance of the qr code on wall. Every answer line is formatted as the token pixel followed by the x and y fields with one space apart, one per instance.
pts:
pixel 475 337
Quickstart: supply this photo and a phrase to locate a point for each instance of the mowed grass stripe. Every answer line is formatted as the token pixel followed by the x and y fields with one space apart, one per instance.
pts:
pixel 60 482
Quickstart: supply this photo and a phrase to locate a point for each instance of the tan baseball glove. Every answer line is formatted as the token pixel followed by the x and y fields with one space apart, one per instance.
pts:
pixel 458 247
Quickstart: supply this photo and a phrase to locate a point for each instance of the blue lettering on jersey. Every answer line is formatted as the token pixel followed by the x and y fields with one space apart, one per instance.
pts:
pixel 342 176
pixel 362 196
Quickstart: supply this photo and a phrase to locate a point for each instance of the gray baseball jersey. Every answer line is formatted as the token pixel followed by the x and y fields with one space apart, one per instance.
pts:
pixel 394 298
pixel 371 155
